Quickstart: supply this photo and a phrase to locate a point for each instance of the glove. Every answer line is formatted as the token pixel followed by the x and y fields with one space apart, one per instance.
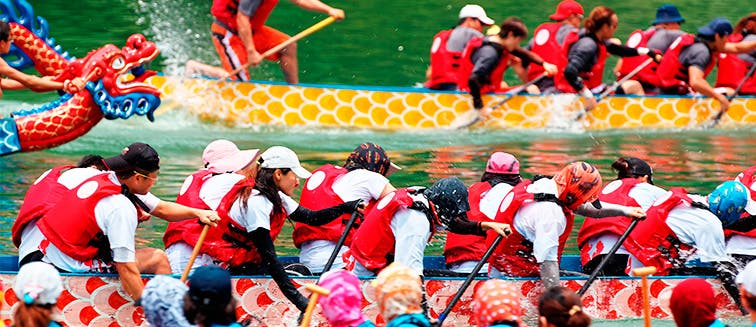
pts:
pixel 655 54
pixel 352 206
pixel 477 103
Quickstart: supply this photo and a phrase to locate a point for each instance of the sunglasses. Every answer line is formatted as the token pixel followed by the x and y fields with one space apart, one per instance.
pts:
pixel 145 176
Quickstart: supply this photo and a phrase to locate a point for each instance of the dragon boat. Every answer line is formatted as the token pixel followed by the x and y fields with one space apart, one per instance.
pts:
pixel 114 79
pixel 397 108
pixel 99 300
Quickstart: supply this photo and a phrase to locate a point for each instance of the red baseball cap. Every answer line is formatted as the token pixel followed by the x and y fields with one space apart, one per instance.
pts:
pixel 567 8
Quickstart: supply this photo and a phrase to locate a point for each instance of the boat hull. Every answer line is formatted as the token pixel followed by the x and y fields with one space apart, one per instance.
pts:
pixel 90 300
pixel 407 108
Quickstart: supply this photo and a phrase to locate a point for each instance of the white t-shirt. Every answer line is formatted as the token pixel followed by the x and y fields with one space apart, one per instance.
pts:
pixel 216 187
pixel 491 200
pixel 542 222
pixel 741 244
pixel 411 230
pixel 32 237
pixel 699 228
pixel 357 184
pixel 257 213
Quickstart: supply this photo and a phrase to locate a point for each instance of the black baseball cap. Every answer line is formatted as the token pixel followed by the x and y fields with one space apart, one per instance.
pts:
pixel 210 286
pixel 137 156
pixel 638 167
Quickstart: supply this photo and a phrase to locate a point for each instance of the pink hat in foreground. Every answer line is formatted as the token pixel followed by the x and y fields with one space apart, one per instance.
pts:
pixel 222 156
pixel 503 163
pixel 343 307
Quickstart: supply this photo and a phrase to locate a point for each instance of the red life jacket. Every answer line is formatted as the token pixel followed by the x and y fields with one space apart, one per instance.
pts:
pixel 70 224
pixel 458 247
pixel 647 75
pixel 373 243
pixel 317 196
pixel 616 192
pixel 671 72
pixel 466 68
pixel 731 70
pixel 190 197
pixel 591 79
pixel 546 45
pixel 514 256
pixel 444 63
pixel 41 196
pixel 652 242
pixel 748 180
pixel 224 11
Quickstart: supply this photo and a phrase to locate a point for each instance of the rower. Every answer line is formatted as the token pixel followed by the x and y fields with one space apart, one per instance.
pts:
pixel 732 68
pixel 224 166
pixel 400 225
pixel 746 280
pixel 541 214
pixel 663 31
pixel 634 187
pixel 447 46
pixel 363 177
pixel 560 306
pixel 679 223
pixel 462 252
pixel 741 235
pixel 586 53
pixel 253 213
pixel 690 59
pixel 485 59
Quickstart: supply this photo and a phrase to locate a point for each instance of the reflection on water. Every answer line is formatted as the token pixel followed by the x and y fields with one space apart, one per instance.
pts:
pixel 697 160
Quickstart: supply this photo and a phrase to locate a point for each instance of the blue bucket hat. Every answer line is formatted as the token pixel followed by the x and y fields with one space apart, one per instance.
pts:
pixel 667 13
pixel 719 26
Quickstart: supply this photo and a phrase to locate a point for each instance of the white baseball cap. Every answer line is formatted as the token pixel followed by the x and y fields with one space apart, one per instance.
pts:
pixel 38 283
pixel 475 11
pixel 747 278
pixel 283 157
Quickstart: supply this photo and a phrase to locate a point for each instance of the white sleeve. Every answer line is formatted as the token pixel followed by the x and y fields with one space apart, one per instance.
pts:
pixel 411 231
pixel 116 216
pixel 290 205
pixel 150 200
pixel 548 222
pixel 645 194
pixel 255 215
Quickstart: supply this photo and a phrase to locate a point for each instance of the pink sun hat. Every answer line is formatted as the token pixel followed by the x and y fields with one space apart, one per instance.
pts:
pixel 222 156
pixel 343 307
pixel 503 163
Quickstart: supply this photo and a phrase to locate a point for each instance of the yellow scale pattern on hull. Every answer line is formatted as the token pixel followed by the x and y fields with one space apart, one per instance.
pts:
pixel 291 105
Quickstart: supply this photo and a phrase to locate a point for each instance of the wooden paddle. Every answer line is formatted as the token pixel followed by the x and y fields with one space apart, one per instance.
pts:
pixel 295 38
pixel 469 279
pixel 608 256
pixel 465 120
pixel 615 86
pixel 644 272
pixel 316 291
pixel 718 116
pixel 195 253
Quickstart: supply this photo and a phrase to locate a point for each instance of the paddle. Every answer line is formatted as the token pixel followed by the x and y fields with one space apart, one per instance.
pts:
pixel 295 38
pixel 341 240
pixel 615 86
pixel 719 115
pixel 195 253
pixel 465 120
pixel 469 280
pixel 644 272
pixel 316 291
pixel 608 256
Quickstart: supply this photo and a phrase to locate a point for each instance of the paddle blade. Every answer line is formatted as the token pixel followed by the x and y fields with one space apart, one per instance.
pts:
pixel 466 119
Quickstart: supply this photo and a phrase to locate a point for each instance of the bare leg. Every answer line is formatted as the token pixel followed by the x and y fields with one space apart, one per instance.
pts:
pixel 193 67
pixel 632 87
pixel 152 261
pixel 289 65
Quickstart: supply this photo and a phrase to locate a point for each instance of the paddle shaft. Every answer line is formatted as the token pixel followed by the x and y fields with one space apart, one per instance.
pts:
pixel 195 253
pixel 509 95
pixel 295 38
pixel 608 256
pixel 469 280
pixel 616 85
pixel 341 241
pixel 734 94
pixel 316 291
pixel 644 272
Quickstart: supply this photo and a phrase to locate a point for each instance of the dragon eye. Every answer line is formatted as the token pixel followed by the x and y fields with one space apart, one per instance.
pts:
pixel 118 63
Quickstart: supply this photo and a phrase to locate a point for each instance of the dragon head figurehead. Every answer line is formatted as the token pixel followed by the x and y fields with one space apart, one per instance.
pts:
pixel 115 78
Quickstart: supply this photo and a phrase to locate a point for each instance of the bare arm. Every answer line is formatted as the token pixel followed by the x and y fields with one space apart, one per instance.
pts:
pixel 699 84
pixel 315 5
pixel 32 82
pixel 171 211
pixel 388 188
pixel 245 34
pixel 740 47
pixel 130 278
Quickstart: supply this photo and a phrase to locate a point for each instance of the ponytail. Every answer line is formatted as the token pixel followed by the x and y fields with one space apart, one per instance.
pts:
pixel 32 315
pixel 622 167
